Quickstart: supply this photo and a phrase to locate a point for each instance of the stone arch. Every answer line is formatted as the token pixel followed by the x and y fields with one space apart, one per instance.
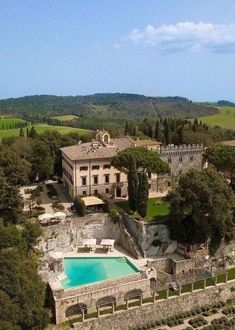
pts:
pixel 106 301
pixel 106 138
pixel 76 309
pixel 133 294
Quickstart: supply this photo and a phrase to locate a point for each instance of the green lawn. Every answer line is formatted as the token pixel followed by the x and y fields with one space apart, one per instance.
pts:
pixel 154 210
pixel 224 118
pixel 40 128
pixel 65 117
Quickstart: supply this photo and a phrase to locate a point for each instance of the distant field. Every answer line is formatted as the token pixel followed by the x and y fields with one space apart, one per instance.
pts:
pixel 6 122
pixel 224 118
pixel 65 118
pixel 40 128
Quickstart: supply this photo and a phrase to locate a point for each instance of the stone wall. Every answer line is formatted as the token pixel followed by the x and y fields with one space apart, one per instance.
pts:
pixel 161 309
pixel 182 158
pixel 89 295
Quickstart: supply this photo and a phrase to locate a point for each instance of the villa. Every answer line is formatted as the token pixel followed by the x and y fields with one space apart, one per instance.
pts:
pixel 87 167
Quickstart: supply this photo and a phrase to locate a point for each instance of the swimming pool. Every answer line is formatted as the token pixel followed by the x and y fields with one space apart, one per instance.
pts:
pixel 86 270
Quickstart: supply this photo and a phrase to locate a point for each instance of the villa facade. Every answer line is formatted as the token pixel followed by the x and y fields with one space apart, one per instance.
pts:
pixel 87 167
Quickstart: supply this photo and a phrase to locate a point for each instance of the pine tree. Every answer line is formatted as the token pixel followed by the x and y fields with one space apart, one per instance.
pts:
pixel 142 194
pixel 132 184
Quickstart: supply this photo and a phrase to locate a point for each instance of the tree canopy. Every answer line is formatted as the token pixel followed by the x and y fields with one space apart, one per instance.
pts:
pixel 146 159
pixel 222 158
pixel 202 207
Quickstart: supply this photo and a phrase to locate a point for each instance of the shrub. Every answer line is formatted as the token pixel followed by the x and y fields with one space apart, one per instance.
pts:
pixel 79 206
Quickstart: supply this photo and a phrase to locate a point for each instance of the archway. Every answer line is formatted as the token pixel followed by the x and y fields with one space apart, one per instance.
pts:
pixel 76 309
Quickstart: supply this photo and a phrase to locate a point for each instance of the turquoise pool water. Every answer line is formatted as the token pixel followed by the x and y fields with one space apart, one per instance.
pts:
pixel 86 270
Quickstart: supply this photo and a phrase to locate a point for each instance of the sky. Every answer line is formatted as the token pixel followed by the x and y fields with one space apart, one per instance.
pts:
pixel 151 47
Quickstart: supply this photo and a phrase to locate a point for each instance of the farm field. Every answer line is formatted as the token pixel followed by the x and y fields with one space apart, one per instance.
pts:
pixel 40 128
pixel 224 118
pixel 6 122
pixel 65 118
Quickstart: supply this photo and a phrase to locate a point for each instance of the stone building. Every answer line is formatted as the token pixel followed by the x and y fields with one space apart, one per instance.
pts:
pixel 87 167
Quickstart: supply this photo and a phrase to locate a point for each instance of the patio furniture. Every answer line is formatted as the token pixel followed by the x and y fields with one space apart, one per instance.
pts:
pixel 108 244
pixel 90 243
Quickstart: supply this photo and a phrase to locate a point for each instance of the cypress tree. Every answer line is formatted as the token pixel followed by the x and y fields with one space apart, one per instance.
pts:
pixel 27 132
pixel 21 132
pixel 181 135
pixel 157 134
pixel 167 132
pixel 142 194
pixel 126 128
pixel 132 178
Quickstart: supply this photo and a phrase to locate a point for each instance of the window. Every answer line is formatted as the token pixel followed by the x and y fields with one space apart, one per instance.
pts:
pixel 149 186
pixel 84 181
pixel 191 159
pixel 106 166
pixel 83 168
pixel 107 190
pixel 84 192
pixel 169 183
pixel 149 175
pixel 169 160
pixel 180 159
pixel 180 172
pixel 96 192
pixel 95 178
pixel 117 177
pixel 106 178
pixel 95 167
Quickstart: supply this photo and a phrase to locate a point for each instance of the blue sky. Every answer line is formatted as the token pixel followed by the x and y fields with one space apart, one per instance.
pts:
pixel 151 47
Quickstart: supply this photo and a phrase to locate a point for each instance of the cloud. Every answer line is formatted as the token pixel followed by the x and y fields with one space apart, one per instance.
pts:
pixel 186 36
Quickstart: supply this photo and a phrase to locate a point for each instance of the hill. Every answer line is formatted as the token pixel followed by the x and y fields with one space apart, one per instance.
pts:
pixel 115 106
pixel 225 117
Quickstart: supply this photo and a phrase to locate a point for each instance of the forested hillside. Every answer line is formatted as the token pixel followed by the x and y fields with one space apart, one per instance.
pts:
pixel 115 106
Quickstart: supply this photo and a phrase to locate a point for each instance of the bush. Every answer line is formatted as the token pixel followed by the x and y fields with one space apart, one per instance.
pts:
pixel 114 215
pixel 79 206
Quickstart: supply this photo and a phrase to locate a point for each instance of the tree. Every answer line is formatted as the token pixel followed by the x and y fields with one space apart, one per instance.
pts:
pixel 126 128
pixel 146 159
pixel 202 208
pixel 142 194
pixel 42 161
pixel 222 158
pixel 33 133
pixel 21 132
pixel 157 133
pixel 130 161
pixel 79 206
pixel 11 203
pixel 167 132
pixel 181 135
pixel 132 177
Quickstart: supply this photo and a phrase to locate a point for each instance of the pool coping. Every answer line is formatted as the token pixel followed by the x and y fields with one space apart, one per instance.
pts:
pixel 136 268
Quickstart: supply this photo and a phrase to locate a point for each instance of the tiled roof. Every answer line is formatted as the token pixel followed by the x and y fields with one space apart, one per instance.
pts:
pixel 96 149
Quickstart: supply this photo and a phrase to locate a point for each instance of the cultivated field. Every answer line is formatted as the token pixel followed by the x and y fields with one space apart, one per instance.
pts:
pixel 9 122
pixel 224 118
pixel 40 128
pixel 65 118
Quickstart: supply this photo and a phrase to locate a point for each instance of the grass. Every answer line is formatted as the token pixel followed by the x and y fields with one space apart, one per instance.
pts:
pixel 186 288
pixel 153 211
pixel 40 128
pixel 161 294
pixel 231 274
pixel 5 122
pixel 65 118
pixel 224 118
pixel 198 285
